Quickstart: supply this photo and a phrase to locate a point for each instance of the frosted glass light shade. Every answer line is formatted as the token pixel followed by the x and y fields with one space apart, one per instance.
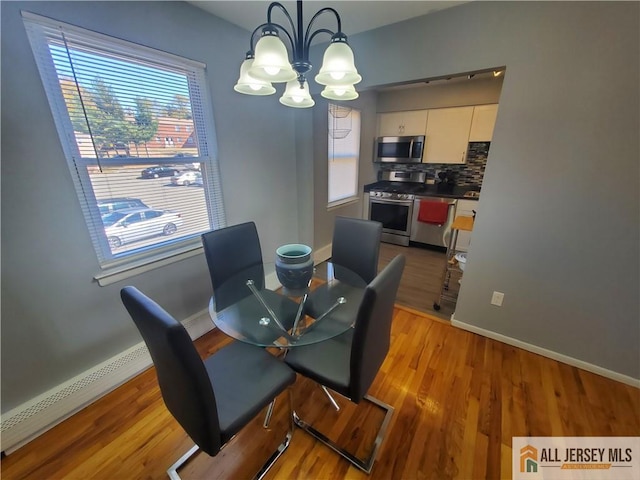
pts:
pixel 250 85
pixel 340 92
pixel 297 96
pixel 271 61
pixel 338 66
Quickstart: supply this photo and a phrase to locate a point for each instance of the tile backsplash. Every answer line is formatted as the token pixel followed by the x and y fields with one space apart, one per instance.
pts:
pixel 468 174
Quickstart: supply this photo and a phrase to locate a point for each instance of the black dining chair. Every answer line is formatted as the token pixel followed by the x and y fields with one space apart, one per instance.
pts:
pixel 355 250
pixel 212 399
pixel 356 245
pixel 348 363
pixel 233 256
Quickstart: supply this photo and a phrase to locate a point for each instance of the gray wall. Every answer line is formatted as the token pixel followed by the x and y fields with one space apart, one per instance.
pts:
pixel 558 229
pixel 56 321
pixel 324 217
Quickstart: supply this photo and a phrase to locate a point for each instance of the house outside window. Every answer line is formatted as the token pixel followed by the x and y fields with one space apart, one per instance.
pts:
pixel 114 103
pixel 344 154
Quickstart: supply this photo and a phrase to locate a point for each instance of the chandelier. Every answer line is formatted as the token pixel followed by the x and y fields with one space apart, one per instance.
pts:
pixel 268 62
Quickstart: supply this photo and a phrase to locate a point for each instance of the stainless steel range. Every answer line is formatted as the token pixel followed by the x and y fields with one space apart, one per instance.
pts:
pixel 392 205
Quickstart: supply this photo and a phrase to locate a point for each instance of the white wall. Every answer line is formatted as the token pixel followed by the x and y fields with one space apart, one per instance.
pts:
pixel 558 229
pixel 457 93
pixel 56 321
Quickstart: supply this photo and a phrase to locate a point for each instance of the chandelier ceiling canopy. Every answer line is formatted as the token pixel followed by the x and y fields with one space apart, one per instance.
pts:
pixel 268 61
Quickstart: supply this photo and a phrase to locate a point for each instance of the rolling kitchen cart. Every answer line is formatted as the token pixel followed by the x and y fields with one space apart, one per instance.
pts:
pixel 451 264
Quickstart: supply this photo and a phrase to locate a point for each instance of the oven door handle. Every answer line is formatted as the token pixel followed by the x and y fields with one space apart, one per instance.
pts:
pixel 390 200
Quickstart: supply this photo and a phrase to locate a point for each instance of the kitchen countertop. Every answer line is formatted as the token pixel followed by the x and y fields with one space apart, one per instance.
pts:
pixel 429 190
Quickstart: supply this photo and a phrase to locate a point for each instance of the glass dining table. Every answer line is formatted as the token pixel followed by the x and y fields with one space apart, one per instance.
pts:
pixel 246 310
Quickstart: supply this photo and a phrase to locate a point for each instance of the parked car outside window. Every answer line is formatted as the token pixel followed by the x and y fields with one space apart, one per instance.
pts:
pixel 141 85
pixel 159 171
pixel 186 178
pixel 108 205
pixel 125 226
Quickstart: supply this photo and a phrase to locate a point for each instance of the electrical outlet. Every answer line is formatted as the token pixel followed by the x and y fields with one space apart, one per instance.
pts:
pixel 497 298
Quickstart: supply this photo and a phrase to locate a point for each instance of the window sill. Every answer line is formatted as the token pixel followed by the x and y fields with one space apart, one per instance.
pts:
pixel 342 203
pixel 122 272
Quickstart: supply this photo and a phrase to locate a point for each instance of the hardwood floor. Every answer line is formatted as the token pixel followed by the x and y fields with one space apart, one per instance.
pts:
pixel 458 398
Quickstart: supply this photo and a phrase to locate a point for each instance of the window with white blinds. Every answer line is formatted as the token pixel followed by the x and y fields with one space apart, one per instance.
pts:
pixel 344 154
pixel 138 134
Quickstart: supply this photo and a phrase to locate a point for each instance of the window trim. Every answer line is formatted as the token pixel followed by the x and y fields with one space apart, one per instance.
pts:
pixel 121 272
pixel 113 268
pixel 161 57
pixel 341 202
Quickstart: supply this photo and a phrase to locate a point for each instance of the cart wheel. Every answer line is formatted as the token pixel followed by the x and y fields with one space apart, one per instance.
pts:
pixel 436 307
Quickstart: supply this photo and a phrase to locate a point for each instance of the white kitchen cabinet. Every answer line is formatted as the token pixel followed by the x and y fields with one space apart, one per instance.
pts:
pixel 448 135
pixel 411 122
pixel 484 119
pixel 465 208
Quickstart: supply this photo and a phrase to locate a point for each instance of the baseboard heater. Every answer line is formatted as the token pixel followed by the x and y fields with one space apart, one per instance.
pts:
pixel 31 419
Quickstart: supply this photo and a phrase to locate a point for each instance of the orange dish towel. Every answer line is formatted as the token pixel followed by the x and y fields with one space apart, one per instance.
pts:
pixel 433 212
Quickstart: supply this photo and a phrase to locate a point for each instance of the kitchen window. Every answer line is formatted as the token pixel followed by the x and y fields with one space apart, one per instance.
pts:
pixel 344 154
pixel 114 102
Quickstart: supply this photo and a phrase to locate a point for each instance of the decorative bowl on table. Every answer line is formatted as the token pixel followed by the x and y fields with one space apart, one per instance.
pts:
pixel 294 265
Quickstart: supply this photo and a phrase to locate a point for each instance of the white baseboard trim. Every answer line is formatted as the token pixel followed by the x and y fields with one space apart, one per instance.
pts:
pixel 321 254
pixel 574 362
pixel 271 281
pixel 31 419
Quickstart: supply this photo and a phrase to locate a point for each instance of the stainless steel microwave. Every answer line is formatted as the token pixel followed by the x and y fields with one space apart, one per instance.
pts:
pixel 408 149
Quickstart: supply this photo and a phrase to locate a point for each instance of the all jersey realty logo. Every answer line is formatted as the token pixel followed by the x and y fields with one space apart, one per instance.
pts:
pixel 560 457
pixel 528 459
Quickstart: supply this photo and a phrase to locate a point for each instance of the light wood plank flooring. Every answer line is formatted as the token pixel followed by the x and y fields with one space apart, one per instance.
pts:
pixel 421 279
pixel 458 398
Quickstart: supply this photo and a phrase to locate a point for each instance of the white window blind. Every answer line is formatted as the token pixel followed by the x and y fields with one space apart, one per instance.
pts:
pixel 138 135
pixel 344 154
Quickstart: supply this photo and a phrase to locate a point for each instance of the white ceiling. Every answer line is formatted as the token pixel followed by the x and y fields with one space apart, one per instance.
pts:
pixel 357 16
